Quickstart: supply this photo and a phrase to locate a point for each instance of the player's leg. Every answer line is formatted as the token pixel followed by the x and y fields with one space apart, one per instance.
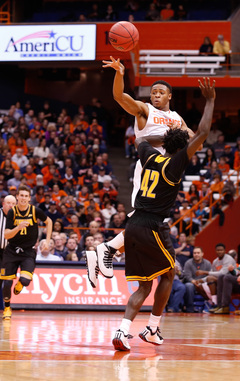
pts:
pixel 27 267
pixel 106 251
pixel 10 265
pixel 120 340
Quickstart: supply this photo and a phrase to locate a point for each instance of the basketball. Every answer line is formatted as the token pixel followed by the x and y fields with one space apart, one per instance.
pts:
pixel 123 36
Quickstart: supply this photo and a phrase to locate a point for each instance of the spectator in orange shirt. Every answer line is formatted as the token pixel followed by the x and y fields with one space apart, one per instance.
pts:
pixel 109 189
pixel 94 131
pixel 193 192
pixel 167 13
pixel 13 140
pixel 223 166
pixel 236 163
pixel 20 143
pixel 217 184
pixel 57 194
pixel 30 176
pixel 91 202
pixel 83 194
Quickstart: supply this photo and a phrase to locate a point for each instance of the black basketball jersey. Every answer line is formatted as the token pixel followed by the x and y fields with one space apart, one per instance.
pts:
pixel 160 179
pixel 27 237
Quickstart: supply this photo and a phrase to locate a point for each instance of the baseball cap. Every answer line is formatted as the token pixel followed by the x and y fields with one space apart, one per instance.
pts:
pixel 13 187
pixel 101 169
pixel 95 146
pixel 32 131
pixel 227 146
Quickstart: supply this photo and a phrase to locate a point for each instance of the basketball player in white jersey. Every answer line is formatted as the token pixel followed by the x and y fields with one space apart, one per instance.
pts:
pixel 151 121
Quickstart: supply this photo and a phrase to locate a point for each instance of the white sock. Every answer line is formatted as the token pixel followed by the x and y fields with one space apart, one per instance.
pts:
pixel 117 242
pixel 125 326
pixel 154 322
pixel 214 299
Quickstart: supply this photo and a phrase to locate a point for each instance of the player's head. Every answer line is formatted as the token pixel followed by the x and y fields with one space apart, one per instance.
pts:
pixel 161 94
pixel 23 196
pixel 174 140
pixel 8 202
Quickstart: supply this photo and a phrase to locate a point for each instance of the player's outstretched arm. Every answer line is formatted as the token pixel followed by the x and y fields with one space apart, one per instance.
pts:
pixel 208 91
pixel 129 104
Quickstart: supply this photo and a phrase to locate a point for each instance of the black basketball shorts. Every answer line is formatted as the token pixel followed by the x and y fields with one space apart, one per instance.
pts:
pixel 148 248
pixel 13 260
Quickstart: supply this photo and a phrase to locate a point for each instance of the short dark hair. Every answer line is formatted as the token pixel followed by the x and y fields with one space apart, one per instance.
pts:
pixel 174 140
pixel 24 188
pixel 160 82
pixel 220 245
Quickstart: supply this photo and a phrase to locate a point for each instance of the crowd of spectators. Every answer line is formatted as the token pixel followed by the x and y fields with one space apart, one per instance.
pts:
pixel 64 160
pixel 132 10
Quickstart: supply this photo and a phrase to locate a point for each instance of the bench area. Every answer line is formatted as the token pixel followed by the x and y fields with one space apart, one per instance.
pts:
pixel 178 62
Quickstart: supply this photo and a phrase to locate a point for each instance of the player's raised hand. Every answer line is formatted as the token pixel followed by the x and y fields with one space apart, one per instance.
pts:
pixel 207 89
pixel 115 64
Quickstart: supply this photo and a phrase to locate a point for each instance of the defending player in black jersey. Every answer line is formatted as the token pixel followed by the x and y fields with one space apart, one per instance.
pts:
pixel 148 248
pixel 22 234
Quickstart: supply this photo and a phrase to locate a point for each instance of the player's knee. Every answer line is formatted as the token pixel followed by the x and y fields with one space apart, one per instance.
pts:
pixel 25 281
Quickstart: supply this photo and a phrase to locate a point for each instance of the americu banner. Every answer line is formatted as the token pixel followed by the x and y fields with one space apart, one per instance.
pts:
pixel 69 288
pixel 47 42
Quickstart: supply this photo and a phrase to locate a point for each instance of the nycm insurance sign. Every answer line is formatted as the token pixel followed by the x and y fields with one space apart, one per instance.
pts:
pixel 47 42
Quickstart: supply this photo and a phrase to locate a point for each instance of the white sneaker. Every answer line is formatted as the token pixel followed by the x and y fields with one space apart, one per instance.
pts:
pixel 92 267
pixel 105 259
pixel 150 337
pixel 120 341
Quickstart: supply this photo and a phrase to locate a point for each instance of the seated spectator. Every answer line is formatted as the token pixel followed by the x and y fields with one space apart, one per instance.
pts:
pixel 83 195
pixel 236 163
pixel 94 14
pixel 193 192
pixel 108 212
pixel 219 267
pixel 52 211
pixel 20 159
pixel 15 180
pixel 58 226
pixel 228 154
pixel 223 166
pixel 129 142
pixel 167 13
pixel 60 250
pixel 152 13
pixel 221 47
pixel 30 177
pixel 209 158
pixel 116 224
pixel 217 185
pixel 20 143
pixel 58 194
pixel 183 251
pixel 176 298
pixel 45 255
pixel 7 170
pixel 212 171
pixel 88 244
pixel 38 198
pixel 32 142
pixel 213 135
pixel 109 189
pixel 111 14
pixel 102 175
pixel 180 13
pixel 191 280
pixel 218 147
pixel 72 248
pixel 119 257
pixel 72 257
pixel 194 166
pixel 206 48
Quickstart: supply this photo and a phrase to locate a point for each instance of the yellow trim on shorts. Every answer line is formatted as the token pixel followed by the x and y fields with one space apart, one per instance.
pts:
pixel 27 273
pixel 164 250
pixel 8 277
pixel 146 278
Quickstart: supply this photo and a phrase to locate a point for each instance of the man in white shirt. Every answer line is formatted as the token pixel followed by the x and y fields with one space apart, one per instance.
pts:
pixel 44 255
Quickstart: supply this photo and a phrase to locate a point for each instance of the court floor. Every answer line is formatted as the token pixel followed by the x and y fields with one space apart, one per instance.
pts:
pixel 62 345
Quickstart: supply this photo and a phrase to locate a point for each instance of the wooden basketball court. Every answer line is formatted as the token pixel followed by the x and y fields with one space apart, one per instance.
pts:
pixel 44 345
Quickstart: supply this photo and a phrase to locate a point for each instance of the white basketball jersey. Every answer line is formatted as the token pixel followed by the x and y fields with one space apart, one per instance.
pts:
pixel 157 122
pixel 156 125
